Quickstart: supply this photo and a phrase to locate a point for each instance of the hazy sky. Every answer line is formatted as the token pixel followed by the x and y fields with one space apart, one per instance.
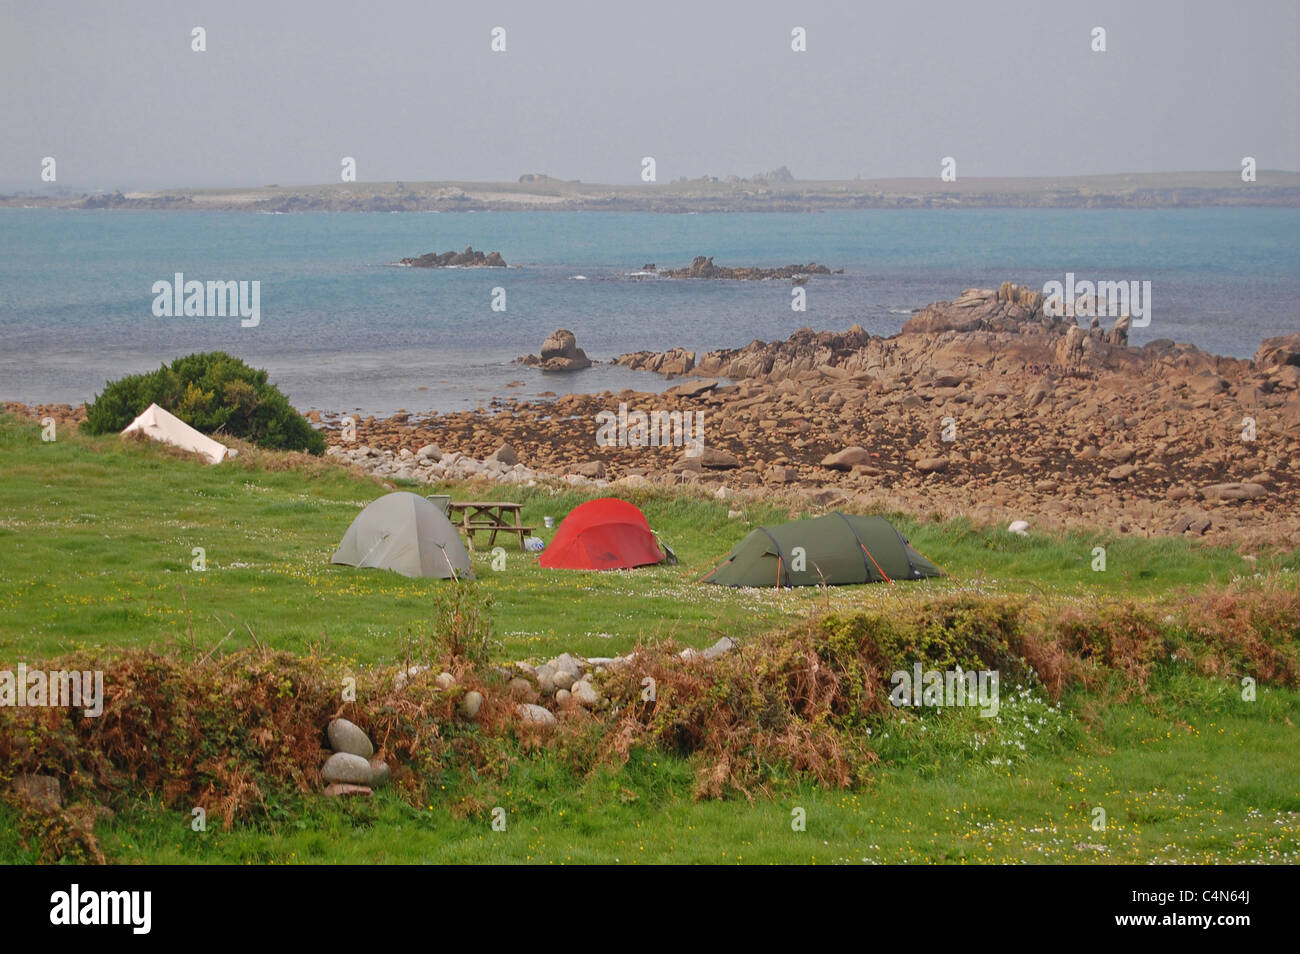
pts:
pixel 412 90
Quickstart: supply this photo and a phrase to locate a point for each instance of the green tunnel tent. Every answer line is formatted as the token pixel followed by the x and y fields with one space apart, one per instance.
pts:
pixel 836 549
pixel 408 534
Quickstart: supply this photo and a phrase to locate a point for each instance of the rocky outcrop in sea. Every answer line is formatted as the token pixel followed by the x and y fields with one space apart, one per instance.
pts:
pixel 560 352
pixel 466 259
pixel 702 267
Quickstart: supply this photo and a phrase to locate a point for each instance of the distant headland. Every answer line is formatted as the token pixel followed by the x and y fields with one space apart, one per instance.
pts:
pixel 776 191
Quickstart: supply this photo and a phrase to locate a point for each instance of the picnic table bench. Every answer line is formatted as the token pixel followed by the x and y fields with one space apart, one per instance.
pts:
pixel 490 517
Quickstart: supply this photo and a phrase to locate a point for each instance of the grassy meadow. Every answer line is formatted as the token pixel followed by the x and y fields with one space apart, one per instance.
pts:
pixel 97 552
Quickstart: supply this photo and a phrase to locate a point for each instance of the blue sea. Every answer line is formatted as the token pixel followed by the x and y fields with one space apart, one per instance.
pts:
pixel 344 330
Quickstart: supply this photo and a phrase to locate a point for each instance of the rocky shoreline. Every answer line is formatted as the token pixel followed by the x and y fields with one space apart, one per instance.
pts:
pixel 983 407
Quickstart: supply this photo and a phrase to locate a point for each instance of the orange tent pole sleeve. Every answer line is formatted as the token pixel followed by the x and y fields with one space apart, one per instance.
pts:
pixel 873 560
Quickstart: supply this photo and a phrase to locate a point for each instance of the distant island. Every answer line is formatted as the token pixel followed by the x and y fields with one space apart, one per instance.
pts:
pixel 776 191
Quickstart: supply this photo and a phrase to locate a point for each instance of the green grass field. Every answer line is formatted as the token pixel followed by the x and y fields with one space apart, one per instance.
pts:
pixel 97 540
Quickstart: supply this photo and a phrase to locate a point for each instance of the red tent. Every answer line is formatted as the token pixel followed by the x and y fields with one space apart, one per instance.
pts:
pixel 604 534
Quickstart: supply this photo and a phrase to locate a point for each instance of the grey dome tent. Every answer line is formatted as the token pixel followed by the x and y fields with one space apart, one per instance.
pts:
pixel 836 549
pixel 408 534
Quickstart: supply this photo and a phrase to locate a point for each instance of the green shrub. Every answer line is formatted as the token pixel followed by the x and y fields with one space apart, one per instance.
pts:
pixel 214 393
pixel 941 634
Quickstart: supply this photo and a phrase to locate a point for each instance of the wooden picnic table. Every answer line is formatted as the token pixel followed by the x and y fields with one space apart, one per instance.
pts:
pixel 491 516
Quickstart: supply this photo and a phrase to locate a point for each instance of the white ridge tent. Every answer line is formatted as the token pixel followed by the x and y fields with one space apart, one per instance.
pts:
pixel 405 532
pixel 161 425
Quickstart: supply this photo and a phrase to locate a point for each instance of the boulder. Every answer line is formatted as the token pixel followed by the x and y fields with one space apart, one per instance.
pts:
pixel 546 678
pixel 576 363
pixel 932 465
pixel 562 343
pixel 585 694
pixel 1206 384
pixel 347 768
pixel 672 363
pixel 1234 491
pixel 534 714
pixel 1039 392
pixel 1069 350
pixel 505 454
pixel 716 459
pixel 1282 350
pixel 1118 337
pixel 847 458
pixel 471 703
pixel 1193 522
pixel 560 352
pixel 348 738
pixel 1286 378
pixel 566 662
